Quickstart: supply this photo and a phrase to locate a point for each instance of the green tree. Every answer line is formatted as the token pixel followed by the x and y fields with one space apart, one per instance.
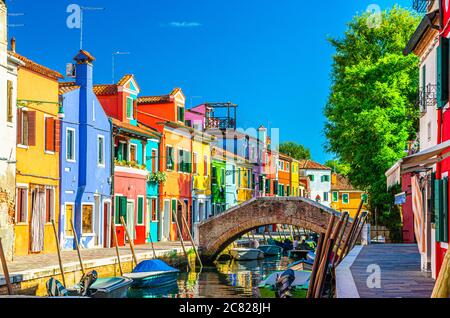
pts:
pixel 338 166
pixel 371 113
pixel 295 150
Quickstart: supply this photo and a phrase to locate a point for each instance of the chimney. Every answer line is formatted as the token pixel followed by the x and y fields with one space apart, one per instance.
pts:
pixel 84 69
pixel 13 44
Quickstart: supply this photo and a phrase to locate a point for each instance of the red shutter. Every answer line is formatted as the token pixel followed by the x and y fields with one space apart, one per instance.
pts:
pixel 57 135
pixel 19 125
pixel 135 112
pixel 49 134
pixel 31 128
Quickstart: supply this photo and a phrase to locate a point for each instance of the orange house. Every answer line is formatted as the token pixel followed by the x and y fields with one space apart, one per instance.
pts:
pixel 284 175
pixel 166 115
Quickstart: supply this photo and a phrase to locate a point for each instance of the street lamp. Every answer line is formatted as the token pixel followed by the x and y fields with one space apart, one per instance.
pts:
pixel 82 9
pixel 114 65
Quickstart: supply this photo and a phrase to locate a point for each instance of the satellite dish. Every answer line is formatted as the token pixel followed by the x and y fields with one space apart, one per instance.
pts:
pixel 70 70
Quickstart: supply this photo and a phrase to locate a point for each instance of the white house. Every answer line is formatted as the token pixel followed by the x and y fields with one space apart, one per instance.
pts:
pixel 8 89
pixel 319 180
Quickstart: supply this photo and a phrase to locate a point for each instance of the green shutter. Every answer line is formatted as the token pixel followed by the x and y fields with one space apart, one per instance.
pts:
pixel 140 210
pixel 174 210
pixel 438 208
pixel 123 208
pixel 442 72
pixel 432 197
pixel 116 210
pixel 444 215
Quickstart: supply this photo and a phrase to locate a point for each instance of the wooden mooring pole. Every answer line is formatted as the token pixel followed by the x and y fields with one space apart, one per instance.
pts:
pixel 122 220
pixel 58 249
pixel 183 204
pixel 180 234
pixel 5 270
pixel 75 237
pixel 116 244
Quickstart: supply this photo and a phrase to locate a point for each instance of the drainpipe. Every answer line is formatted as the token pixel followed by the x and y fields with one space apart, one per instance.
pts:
pixel 112 158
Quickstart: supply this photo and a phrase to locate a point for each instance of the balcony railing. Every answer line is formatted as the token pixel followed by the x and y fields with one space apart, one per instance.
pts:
pixel 427 97
pixel 422 6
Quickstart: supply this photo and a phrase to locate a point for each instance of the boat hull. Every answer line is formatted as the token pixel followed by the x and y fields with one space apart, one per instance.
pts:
pixel 246 254
pixel 114 287
pixel 271 250
pixel 154 280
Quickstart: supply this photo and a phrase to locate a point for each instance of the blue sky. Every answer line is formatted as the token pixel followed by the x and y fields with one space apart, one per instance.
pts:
pixel 269 57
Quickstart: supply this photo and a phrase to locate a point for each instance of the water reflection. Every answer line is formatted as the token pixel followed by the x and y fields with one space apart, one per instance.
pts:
pixel 230 279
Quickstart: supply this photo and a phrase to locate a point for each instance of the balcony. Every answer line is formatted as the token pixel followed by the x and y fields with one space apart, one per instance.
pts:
pixel 427 97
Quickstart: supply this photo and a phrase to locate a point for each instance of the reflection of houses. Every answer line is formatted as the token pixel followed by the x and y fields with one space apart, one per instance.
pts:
pixel 8 92
pixel 85 161
pixel 37 177
pixel 344 197
pixel 130 144
pixel 319 180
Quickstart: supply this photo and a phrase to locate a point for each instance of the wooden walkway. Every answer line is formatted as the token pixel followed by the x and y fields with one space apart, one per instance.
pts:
pixel 400 273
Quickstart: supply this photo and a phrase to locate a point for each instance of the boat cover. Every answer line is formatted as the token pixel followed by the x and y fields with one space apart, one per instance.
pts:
pixel 301 278
pixel 154 265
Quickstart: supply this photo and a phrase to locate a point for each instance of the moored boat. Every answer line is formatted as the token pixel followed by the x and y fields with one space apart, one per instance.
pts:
pixel 298 288
pixel 110 287
pixel 298 254
pixel 153 273
pixel 271 250
pixel 311 256
pixel 246 254
pixel 302 265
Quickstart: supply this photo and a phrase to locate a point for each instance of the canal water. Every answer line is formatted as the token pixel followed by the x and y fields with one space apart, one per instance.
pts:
pixel 228 279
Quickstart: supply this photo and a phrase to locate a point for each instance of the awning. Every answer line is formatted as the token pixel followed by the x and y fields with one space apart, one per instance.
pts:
pixel 393 175
pixel 424 159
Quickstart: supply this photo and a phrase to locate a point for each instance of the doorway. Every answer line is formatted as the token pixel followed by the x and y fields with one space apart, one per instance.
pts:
pixel 107 224
pixel 37 220
pixel 166 221
pixel 130 219
pixel 98 226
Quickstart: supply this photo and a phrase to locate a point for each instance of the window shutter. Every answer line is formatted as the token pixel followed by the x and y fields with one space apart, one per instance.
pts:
pixel 49 134
pixel 117 210
pixel 438 208
pixel 432 197
pixel 19 125
pixel 135 110
pixel 10 102
pixel 140 210
pixel 31 128
pixel 57 124
pixel 444 215
pixel 442 72
pixel 123 208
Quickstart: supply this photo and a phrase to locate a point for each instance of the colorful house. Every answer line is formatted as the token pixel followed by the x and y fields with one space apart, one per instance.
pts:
pixel 295 178
pixel 129 141
pixel 344 197
pixel 319 180
pixel 166 115
pixel 8 96
pixel 284 175
pixel 38 146
pixel 218 182
pixel 85 161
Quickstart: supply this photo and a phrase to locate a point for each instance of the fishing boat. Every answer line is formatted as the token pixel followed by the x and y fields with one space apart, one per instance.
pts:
pixel 157 292
pixel 299 287
pixel 302 265
pixel 246 254
pixel 153 273
pixel 298 254
pixel 271 250
pixel 110 287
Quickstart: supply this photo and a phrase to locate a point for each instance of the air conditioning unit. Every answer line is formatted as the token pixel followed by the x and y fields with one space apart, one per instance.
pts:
pixel 70 70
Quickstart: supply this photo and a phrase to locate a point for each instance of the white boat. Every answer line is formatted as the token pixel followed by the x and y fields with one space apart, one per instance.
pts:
pixel 246 254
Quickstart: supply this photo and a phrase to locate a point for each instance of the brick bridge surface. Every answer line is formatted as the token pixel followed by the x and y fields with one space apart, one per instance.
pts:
pixel 216 233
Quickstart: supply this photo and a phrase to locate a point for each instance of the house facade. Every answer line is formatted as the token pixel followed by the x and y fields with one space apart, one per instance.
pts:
pixel 85 162
pixel 344 197
pixel 38 146
pixel 218 181
pixel 284 175
pixel 319 181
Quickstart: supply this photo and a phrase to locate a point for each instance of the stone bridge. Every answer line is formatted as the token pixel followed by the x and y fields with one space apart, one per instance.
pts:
pixel 216 233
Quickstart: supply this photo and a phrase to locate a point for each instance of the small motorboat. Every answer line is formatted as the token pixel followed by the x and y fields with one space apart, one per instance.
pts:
pixel 271 250
pixel 153 273
pixel 311 256
pixel 110 287
pixel 298 254
pixel 302 265
pixel 298 286
pixel 156 292
pixel 246 254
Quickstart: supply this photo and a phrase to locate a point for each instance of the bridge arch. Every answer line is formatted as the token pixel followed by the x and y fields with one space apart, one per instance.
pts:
pixel 216 233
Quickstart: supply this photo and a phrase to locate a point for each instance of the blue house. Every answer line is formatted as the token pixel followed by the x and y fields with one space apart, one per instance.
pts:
pixel 85 161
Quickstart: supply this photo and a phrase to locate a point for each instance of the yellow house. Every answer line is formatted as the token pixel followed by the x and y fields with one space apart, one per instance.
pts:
pixel 344 197
pixel 201 174
pixel 37 179
pixel 245 179
pixel 295 185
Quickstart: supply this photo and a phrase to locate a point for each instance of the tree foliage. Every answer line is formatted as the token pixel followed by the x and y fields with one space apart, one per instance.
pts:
pixel 338 166
pixel 371 112
pixel 295 150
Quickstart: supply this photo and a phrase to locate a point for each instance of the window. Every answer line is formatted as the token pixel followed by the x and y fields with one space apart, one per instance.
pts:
pixel 133 153
pixel 70 144
pixel 288 190
pixel 169 158
pixel 335 196
pixel 69 217
pixel 287 166
pixel 154 212
pixel 233 174
pixel 194 163
pixel 345 198
pixel 239 177
pixel 26 127
pixel 325 178
pixel 49 134
pixel 205 166
pixel 49 205
pixel 121 151
pixel 129 108
pixel 87 219
pixel 214 175
pixel 9 106
pixel 184 164
pixel 101 150
pixel 325 196
pixel 140 211
pixel 22 205
pixel 311 177
pixel 181 114
pixel 154 168
pixel 120 209
pixel 174 211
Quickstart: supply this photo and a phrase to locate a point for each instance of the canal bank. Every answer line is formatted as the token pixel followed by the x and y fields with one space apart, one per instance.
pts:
pixel 30 273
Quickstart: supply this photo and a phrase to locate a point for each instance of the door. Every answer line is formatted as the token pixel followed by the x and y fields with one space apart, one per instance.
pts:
pixel 37 220
pixel 130 220
pixel 166 221
pixel 107 224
